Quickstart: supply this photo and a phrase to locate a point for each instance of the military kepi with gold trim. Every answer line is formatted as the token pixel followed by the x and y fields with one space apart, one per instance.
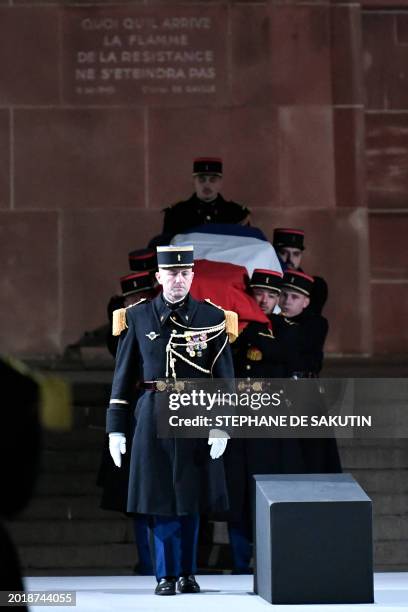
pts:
pixel 297 281
pixel 266 279
pixel 175 256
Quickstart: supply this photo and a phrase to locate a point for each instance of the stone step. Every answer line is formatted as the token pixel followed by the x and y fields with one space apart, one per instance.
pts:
pixel 390 568
pixel 30 533
pixel 89 416
pixel 87 506
pixel 372 442
pixel 390 503
pixel 66 507
pixel 62 459
pixel 390 527
pixel 81 439
pixel 114 557
pixel 382 481
pixel 81 483
pixel 373 457
pixel 391 553
pixel 84 482
pixel 120 530
pixel 57 461
pixel 79 556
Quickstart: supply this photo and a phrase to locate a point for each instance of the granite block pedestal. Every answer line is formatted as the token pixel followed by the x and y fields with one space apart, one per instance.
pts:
pixel 313 539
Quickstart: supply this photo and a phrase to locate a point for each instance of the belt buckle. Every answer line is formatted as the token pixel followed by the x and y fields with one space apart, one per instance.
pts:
pixel 161 385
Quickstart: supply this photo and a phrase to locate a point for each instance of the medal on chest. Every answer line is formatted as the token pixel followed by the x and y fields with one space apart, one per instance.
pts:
pixel 196 344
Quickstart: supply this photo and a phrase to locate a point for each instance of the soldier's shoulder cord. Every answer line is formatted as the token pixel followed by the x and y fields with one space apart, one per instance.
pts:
pixel 119 318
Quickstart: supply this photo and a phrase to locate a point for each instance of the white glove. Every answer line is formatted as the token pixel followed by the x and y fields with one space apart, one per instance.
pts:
pixel 117 447
pixel 218 441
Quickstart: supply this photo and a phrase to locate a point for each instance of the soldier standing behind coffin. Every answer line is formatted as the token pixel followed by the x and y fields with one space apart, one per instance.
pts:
pixel 206 205
pixel 320 454
pixel 289 245
pixel 259 353
pixel 171 480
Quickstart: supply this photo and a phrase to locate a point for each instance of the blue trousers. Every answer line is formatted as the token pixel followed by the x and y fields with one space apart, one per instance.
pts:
pixel 175 544
pixel 240 537
pixel 142 535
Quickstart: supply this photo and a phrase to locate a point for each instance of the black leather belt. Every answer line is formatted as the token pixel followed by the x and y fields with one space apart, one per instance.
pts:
pixel 153 385
pixel 162 385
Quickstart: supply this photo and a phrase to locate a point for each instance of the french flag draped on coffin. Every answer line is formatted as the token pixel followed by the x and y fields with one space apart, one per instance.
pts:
pixel 225 255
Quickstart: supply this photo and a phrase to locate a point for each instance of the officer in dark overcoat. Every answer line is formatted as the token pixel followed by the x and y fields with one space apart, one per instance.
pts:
pixel 289 246
pixel 172 480
pixel 310 329
pixel 206 205
pixel 115 481
pixel 260 354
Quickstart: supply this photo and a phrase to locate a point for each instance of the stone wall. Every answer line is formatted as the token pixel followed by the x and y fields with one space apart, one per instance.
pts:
pixel 103 106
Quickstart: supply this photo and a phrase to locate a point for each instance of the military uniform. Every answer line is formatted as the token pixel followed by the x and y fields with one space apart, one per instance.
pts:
pixel 259 353
pixel 310 329
pixel 190 213
pixel 193 212
pixel 285 237
pixel 165 475
pixel 171 479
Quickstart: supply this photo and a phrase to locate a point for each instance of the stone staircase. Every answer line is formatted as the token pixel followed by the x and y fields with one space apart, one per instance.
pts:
pixel 64 532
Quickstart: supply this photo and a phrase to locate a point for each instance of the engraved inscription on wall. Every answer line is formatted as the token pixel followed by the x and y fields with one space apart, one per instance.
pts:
pixel 131 56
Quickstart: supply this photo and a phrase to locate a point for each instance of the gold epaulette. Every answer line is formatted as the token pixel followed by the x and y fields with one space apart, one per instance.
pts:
pixel 231 321
pixel 119 318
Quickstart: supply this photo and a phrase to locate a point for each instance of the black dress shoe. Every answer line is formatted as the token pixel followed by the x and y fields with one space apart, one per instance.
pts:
pixel 188 584
pixel 166 586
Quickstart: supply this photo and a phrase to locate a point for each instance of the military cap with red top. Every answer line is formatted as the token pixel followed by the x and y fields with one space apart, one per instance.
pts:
pixel 137 281
pixel 287 237
pixel 297 281
pixel 266 279
pixel 207 165
pixel 143 260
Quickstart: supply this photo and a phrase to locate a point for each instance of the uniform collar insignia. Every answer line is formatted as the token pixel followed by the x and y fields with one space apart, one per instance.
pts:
pixel 185 313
